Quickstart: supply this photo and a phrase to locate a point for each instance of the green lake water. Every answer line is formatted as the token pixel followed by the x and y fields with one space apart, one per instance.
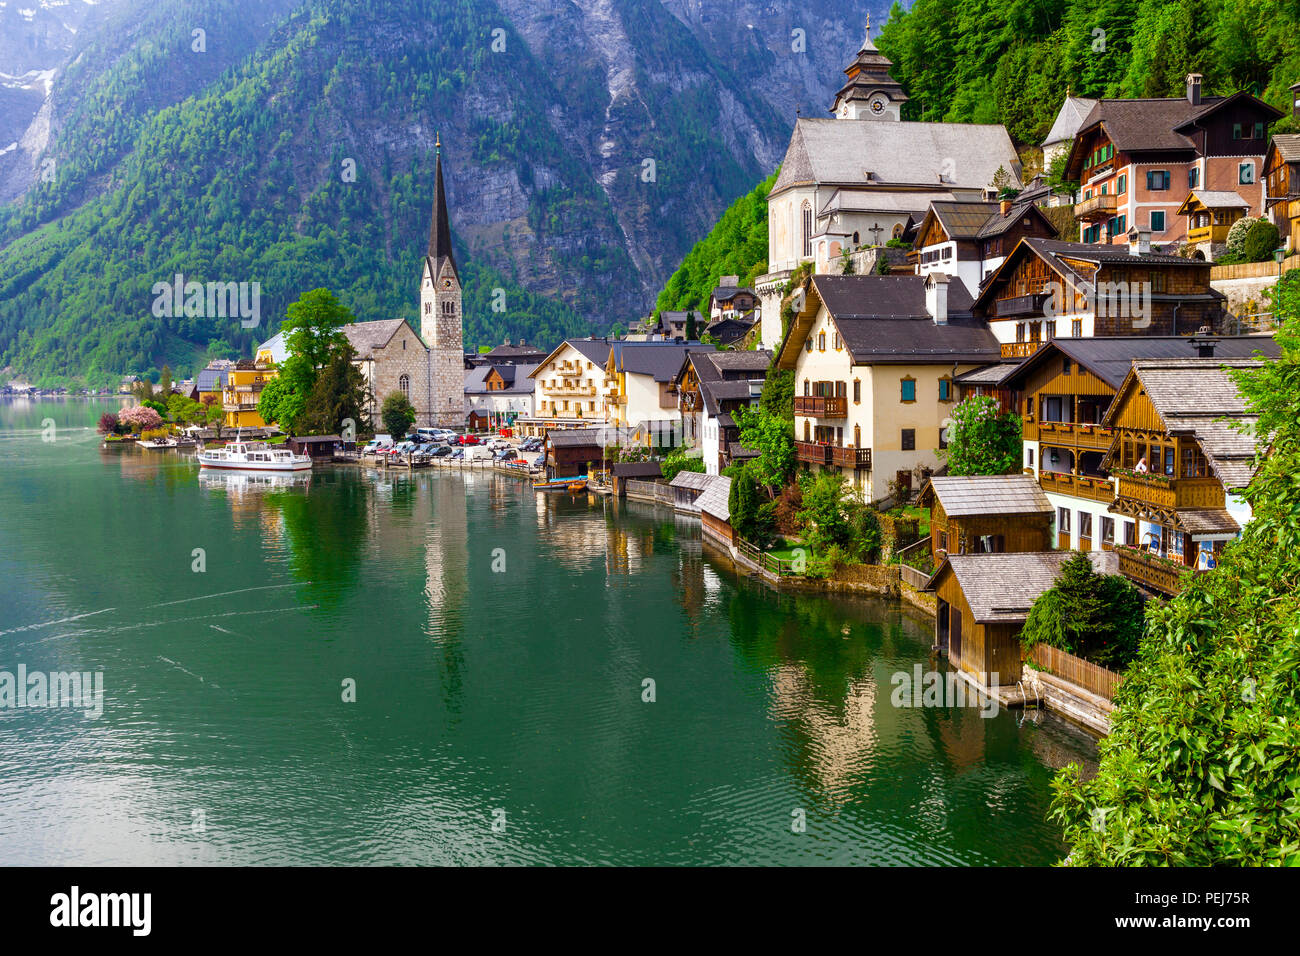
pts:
pixel 499 642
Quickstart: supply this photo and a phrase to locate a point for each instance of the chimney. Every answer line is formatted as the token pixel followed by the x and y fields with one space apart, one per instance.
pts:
pixel 1194 88
pixel 936 297
pixel 1139 241
pixel 1204 346
pixel 1004 207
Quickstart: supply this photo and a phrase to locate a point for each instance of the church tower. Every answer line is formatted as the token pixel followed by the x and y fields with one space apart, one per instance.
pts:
pixel 440 314
pixel 870 93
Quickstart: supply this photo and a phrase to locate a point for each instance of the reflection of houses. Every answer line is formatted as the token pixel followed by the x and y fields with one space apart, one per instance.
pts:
pixel 1064 391
pixel 874 359
pixel 1049 290
pixel 1179 465
pixel 986 515
pixel 1137 159
pixel 983 602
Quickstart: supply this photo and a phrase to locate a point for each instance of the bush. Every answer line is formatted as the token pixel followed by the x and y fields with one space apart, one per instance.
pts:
pixel 108 424
pixel 1261 239
pixel 1236 245
pixel 982 439
pixel 678 461
pixel 1094 616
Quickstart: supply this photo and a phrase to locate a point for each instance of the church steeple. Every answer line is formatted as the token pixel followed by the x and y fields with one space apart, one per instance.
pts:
pixel 870 93
pixel 440 227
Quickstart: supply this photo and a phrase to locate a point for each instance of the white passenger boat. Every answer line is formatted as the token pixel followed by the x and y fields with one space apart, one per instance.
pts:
pixel 253 456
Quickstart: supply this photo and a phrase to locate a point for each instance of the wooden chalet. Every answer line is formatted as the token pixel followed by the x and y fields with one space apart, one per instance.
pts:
pixel 573 451
pixel 970 239
pixel 986 515
pixel 624 471
pixel 1048 290
pixel 687 487
pixel 1179 464
pixel 983 601
pixel 1282 183
pixel 1210 215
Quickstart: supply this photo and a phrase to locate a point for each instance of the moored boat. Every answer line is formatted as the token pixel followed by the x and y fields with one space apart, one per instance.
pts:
pixel 558 484
pixel 253 456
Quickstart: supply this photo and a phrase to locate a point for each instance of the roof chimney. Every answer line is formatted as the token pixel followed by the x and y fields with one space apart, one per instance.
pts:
pixel 936 297
pixel 1004 207
pixel 1139 241
pixel 1204 346
pixel 1194 88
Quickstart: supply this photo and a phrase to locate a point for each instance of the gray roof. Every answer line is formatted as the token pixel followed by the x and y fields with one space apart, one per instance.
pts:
pixel 716 392
pixel 963 220
pixel 575 437
pixel 883 319
pixel 517 379
pixel 833 151
pixel 1208 521
pixel 757 360
pixel 738 451
pixel 695 480
pixel 637 469
pixel 724 292
pixel 1220 199
pixel 988 375
pixel 660 360
pixel 990 495
pixel 365 336
pixel 1111 357
pixel 715 500
pixel 1288 146
pixel 1001 588
pixel 1069 118
pixel 212 379
pixel 1191 395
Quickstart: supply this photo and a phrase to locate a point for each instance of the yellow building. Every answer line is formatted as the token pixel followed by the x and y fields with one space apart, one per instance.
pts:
pixel 243 389
pixel 874 358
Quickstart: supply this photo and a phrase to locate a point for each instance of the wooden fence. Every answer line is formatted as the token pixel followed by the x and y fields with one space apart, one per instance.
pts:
pixel 918 579
pixel 1254 270
pixel 1091 677
pixel 781 567
pixel 649 490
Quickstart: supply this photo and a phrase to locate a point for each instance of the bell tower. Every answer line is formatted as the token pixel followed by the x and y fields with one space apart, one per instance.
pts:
pixel 870 93
pixel 440 292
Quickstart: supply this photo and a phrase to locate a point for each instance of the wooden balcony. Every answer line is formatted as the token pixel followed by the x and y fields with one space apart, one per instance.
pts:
pixel 1153 572
pixel 1174 494
pixel 1077 486
pixel 1022 305
pixel 821 406
pixel 813 453
pixel 858 459
pixel 1020 350
pixel 1070 435
pixel 1098 207
pixel 565 391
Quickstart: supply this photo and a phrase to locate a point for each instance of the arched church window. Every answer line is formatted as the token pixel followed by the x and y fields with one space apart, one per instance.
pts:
pixel 404 383
pixel 807 230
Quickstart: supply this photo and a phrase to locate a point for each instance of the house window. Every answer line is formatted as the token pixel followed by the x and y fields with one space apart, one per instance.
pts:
pixel 1065 366
pixel 857 436
pixel 1157 220
pixel 943 438
pixel 857 391
pixel 821 341
pixel 1030 461
pixel 1193 178
pixel 1108 530
pixel 1085 524
pixel 835 341
pixel 809 343
pixel 909 439
pixel 945 390
pixel 1236 131
pixel 1076 328
pixel 1122 185
pixel 1029 407
pixel 1259 131
pixel 943 541
pixel 908 390
pixel 1063 520
pixel 1130 533
pixel 1157 180
pixel 1246 174
pixel 1157 281
pixel 807 387
pixel 404 383
pixel 428 308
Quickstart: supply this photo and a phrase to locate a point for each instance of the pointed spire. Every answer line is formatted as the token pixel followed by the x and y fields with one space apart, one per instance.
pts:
pixel 440 228
pixel 867 45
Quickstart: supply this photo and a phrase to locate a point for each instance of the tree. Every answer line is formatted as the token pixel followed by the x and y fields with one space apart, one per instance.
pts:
pixel 312 335
pixel 397 414
pixel 165 382
pixel 981 439
pixel 773 439
pixel 679 460
pixel 339 394
pixel 107 424
pixel 1199 768
pixel 1261 239
pixel 777 397
pixel 832 517
pixel 1235 247
pixel 753 520
pixel 1094 616
pixel 690 327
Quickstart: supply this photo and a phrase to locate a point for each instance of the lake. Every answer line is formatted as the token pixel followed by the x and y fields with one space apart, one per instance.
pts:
pixel 444 668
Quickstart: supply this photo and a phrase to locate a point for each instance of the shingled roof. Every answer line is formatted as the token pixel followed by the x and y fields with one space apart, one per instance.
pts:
pixel 1288 146
pixel 1069 118
pixel 988 495
pixel 365 336
pixel 1001 588
pixel 1111 357
pixel 716 497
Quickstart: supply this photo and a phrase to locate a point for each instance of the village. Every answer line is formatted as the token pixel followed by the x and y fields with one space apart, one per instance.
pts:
pixel 959 376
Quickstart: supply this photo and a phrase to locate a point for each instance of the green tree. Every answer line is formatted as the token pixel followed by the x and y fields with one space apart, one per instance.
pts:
pixel 690 327
pixel 1091 615
pixel 339 394
pixel 312 336
pixel 679 460
pixel 773 438
pixel 753 519
pixel 397 414
pixel 981 439
pixel 1262 238
pixel 777 397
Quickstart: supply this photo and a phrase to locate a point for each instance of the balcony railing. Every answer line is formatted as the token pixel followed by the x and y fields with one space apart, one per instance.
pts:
pixel 1074 435
pixel 582 390
pixel 1161 492
pixel 1153 572
pixel 813 453
pixel 856 458
pixel 1022 304
pixel 821 406
pixel 1098 207
pixel 1077 486
pixel 1020 349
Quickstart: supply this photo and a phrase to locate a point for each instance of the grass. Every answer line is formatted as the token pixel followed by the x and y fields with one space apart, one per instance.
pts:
pixel 786 551
pixel 922 516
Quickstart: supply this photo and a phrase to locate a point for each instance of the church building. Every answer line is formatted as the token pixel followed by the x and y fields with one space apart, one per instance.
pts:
pixel 441 318
pixel 858 178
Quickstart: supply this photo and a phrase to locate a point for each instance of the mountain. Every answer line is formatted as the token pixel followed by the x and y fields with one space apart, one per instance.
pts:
pixel 587 144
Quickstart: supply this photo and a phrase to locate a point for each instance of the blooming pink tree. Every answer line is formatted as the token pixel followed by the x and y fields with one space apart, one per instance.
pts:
pixel 139 418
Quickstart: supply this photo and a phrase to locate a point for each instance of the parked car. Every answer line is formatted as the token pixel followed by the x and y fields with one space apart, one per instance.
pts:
pixel 468 440
pixel 442 451
pixel 456 454
pixel 377 446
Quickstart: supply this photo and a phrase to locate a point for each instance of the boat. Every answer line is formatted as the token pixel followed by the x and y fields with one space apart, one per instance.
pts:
pixel 253 456
pixel 168 442
pixel 578 485
pixel 560 484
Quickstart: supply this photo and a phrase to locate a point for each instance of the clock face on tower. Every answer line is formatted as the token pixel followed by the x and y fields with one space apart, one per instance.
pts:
pixel 446 283
pixel 877 105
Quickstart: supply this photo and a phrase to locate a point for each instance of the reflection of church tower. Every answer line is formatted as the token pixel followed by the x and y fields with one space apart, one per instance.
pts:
pixel 870 93
pixel 440 313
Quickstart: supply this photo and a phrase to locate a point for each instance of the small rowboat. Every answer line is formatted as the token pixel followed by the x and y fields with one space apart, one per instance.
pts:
pixel 559 484
pixel 576 486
